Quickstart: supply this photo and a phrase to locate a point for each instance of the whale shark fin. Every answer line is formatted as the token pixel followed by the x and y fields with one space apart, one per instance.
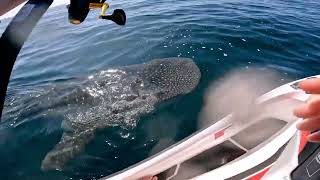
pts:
pixel 70 145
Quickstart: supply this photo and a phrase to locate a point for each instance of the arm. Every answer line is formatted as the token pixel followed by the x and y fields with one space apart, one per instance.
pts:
pixel 7 5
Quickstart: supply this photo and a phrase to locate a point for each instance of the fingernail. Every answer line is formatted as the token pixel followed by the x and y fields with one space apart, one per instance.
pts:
pixel 301 110
pixel 299 125
pixel 313 141
pixel 314 137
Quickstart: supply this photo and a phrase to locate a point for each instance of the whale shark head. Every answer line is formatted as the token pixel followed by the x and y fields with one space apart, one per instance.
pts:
pixel 170 77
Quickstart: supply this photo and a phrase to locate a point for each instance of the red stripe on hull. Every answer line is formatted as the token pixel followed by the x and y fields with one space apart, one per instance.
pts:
pixel 302 144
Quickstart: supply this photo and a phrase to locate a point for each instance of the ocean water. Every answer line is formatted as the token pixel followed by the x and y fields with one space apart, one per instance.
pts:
pixel 220 36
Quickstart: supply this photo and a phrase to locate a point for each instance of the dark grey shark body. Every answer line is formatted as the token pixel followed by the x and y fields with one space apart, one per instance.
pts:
pixel 117 97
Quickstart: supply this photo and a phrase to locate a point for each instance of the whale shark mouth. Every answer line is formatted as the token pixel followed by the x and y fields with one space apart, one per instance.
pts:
pixel 118 97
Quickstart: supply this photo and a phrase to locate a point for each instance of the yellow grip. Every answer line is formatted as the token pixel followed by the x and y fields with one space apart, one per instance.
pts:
pixel 104 8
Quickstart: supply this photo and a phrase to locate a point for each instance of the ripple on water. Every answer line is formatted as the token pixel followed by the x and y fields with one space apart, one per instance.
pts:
pixel 218 35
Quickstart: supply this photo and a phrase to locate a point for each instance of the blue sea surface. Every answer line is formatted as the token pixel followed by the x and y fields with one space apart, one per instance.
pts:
pixel 220 35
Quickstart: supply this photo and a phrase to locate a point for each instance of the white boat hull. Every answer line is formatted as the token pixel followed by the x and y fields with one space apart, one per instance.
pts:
pixel 252 164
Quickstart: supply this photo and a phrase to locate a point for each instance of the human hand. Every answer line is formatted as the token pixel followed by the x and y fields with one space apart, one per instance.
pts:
pixel 310 111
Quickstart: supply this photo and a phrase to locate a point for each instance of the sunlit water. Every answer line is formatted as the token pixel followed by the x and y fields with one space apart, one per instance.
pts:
pixel 283 36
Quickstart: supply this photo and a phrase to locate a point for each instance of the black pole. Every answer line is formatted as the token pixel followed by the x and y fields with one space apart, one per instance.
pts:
pixel 14 37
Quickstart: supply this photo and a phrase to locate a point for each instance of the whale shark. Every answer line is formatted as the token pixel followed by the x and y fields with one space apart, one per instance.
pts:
pixel 116 97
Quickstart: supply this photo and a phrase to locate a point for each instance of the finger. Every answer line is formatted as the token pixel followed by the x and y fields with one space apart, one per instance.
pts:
pixel 314 137
pixel 311 86
pixel 309 109
pixel 302 111
pixel 314 103
pixel 310 124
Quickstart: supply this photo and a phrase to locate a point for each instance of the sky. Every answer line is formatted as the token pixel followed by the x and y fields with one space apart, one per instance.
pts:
pixel 14 11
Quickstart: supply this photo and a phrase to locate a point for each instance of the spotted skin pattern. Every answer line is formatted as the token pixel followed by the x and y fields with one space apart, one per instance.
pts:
pixel 118 97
